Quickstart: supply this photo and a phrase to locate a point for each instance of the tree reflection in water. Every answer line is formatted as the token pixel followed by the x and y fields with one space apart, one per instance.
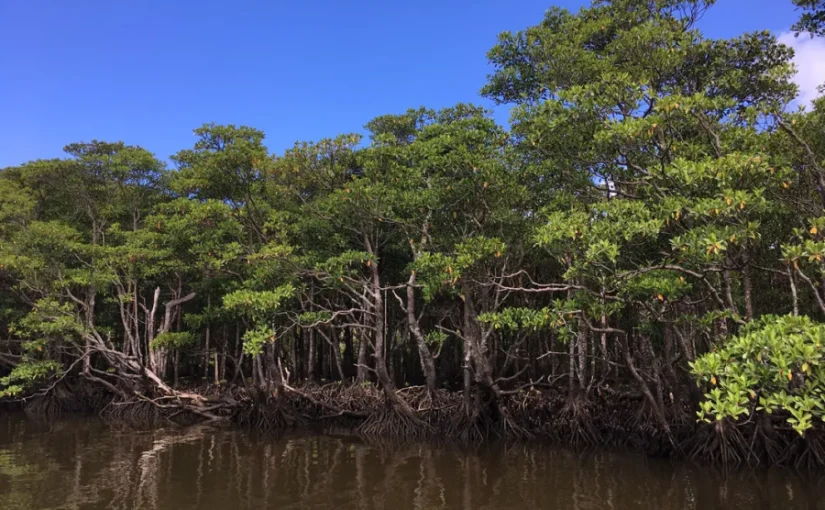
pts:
pixel 84 464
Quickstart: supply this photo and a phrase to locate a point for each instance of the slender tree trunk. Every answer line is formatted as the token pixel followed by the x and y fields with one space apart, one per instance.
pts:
pixel 256 379
pixel 389 355
pixel 263 382
pixel 363 374
pixel 488 394
pixel 150 330
pixel 224 344
pixel 581 340
pixel 176 364
pixel 467 369
pixel 90 324
pixel 208 335
pixel 571 387
pixel 380 341
pixel 654 403
pixel 792 280
pixel 729 292
pixel 424 354
pixel 136 320
pixel 273 372
pixel 378 308
pixel 747 287
pixel 238 353
pixel 293 355
pixel 605 362
pixel 335 350
pixel 310 355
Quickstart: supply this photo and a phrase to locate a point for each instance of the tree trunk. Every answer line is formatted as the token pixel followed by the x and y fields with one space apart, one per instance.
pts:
pixel 605 362
pixel 208 335
pixel 310 355
pixel 150 331
pixel 239 353
pixel 363 374
pixel 176 363
pixel 747 286
pixel 468 379
pixel 380 341
pixel 378 308
pixel 792 279
pixel 571 387
pixel 488 392
pixel 336 352
pixel 263 382
pixel 159 356
pixel 90 323
pixel 581 341
pixel 657 410
pixel 424 354
pixel 224 344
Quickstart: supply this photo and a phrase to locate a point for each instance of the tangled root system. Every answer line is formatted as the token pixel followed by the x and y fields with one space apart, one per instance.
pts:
pixel 393 423
pixel 720 443
pixel 612 420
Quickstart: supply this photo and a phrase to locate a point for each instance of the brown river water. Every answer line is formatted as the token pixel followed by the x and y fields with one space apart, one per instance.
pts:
pixel 86 464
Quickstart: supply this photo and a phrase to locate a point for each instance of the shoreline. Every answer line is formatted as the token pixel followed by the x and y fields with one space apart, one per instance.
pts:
pixel 611 421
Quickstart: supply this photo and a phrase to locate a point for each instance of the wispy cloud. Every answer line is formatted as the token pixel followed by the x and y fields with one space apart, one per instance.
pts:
pixel 810 64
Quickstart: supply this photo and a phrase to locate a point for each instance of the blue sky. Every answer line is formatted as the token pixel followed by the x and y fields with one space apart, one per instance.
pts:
pixel 148 72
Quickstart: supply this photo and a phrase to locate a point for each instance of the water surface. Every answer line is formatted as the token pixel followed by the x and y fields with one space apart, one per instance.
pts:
pixel 86 464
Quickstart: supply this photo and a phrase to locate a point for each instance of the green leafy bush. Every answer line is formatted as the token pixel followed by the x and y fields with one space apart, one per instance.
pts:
pixel 177 340
pixel 25 374
pixel 775 364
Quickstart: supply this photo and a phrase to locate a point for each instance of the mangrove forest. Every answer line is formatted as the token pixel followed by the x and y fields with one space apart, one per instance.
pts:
pixel 637 260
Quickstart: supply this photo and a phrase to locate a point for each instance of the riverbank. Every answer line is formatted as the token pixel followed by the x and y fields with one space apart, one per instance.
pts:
pixel 83 463
pixel 612 418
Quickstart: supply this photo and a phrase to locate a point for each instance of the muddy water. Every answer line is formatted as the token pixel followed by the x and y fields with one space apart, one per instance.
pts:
pixel 84 464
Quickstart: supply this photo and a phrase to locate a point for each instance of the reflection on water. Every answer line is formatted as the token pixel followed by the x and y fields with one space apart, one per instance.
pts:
pixel 83 464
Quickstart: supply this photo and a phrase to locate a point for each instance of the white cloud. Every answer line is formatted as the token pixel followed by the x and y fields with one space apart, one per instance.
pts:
pixel 810 64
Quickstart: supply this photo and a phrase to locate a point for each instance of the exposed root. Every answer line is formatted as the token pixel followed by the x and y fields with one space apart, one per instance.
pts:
pixel 721 443
pixel 470 426
pixel 510 427
pixel 765 446
pixel 806 452
pixel 576 418
pixel 393 423
pixel 608 418
pixel 140 413
pixel 70 396
pixel 489 417
pixel 271 412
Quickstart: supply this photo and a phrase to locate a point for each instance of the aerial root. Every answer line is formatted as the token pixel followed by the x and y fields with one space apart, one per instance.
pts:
pixel 391 422
pixel 806 452
pixel 721 442
pixel 577 419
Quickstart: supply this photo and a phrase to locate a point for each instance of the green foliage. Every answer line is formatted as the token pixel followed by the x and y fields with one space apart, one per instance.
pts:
pixel 174 340
pixel 436 338
pixel 442 271
pixel 309 318
pixel 255 339
pixel 653 185
pixel 774 364
pixel 50 318
pixel 26 374
pixel 258 305
pixel 560 318
pixel 812 20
